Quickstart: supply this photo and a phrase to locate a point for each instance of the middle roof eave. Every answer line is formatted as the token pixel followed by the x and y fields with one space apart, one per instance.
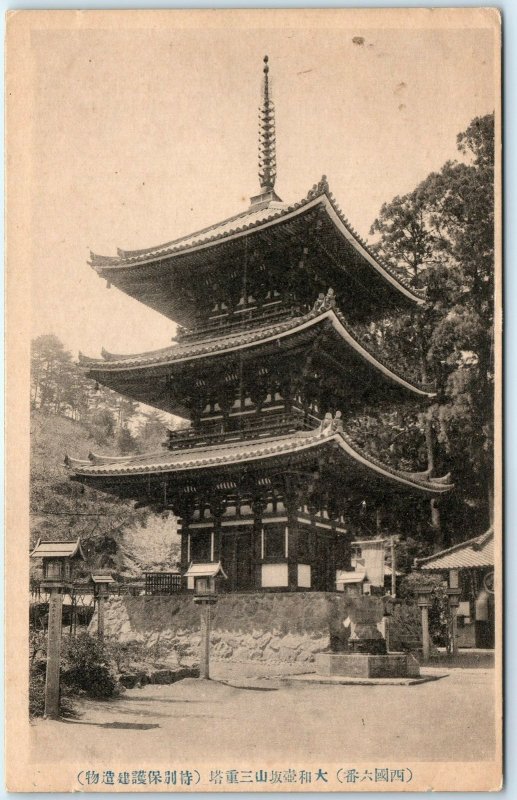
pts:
pixel 197 351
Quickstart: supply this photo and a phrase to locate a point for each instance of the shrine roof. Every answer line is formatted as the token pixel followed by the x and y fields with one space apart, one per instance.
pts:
pixel 240 452
pixel 350 576
pixel 61 549
pixel 210 569
pixel 474 553
pixel 256 218
pixel 245 339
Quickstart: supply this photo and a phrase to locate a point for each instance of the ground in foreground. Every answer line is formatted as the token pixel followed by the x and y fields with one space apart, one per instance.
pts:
pixel 451 719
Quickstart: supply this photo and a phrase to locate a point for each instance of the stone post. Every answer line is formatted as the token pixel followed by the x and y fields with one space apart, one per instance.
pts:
pixel 424 601
pixel 204 654
pixel 425 633
pixel 453 593
pixel 101 600
pixel 55 618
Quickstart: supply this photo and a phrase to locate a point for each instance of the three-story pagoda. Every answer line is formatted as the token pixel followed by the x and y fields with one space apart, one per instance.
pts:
pixel 268 366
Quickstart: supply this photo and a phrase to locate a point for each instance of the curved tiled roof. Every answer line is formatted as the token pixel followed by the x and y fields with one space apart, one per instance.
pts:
pixel 474 553
pixel 216 456
pixel 246 339
pixel 254 219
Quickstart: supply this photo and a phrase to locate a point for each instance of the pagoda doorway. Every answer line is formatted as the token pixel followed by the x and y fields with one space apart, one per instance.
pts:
pixel 237 559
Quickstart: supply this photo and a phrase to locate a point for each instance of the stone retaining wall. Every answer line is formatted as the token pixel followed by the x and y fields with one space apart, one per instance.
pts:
pixel 272 627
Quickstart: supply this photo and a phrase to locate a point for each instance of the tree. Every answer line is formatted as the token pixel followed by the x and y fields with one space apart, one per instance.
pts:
pixel 126 442
pixel 51 367
pixel 58 386
pixel 442 236
pixel 153 544
pixel 152 430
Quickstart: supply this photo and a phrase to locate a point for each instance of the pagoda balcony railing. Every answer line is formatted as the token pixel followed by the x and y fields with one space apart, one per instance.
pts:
pixel 262 426
pixel 238 321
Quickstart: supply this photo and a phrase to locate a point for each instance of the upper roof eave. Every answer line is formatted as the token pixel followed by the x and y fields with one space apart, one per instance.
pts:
pixel 210 237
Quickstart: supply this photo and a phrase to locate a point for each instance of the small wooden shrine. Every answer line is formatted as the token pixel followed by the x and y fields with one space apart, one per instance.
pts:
pixel 271 359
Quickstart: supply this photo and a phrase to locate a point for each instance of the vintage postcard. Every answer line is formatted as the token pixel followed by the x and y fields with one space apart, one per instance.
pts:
pixel 254 509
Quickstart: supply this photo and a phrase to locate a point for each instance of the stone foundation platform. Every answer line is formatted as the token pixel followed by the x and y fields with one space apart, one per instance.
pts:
pixel 354 665
pixel 276 627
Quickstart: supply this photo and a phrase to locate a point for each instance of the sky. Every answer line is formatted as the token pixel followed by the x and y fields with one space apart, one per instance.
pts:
pixel 141 136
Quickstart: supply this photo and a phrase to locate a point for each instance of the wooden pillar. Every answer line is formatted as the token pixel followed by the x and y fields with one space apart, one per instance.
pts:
pixel 259 506
pixel 217 508
pixel 55 618
pixel 379 519
pixel 291 536
pixel 332 558
pixel 204 654
pixel 292 553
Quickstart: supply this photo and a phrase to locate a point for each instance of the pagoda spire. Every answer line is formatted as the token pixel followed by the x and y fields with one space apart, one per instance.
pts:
pixel 267 144
pixel 267 137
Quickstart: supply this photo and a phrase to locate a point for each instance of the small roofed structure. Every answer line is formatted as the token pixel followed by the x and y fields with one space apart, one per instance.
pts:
pixel 470 568
pixel 101 577
pixel 58 558
pixel 370 556
pixel 351 581
pixel 202 577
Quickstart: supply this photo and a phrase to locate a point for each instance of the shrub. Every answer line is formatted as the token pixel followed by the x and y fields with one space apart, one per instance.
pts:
pixel 88 667
pixel 439 615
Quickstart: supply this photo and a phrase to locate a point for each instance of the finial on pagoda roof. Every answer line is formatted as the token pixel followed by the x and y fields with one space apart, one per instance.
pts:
pixel 267 139
pixel 267 142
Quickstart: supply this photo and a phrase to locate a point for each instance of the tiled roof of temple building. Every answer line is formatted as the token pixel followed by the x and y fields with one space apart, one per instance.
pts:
pixel 244 339
pixel 474 553
pixel 241 452
pixel 258 217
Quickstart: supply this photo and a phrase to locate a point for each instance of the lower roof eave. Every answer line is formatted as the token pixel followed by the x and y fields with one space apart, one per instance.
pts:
pixel 219 458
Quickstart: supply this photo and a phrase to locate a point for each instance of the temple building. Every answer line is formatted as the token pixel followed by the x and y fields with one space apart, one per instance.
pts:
pixel 270 362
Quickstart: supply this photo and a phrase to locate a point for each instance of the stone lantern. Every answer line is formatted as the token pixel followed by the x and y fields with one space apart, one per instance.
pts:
pixel 101 580
pixel 204 579
pixel 60 560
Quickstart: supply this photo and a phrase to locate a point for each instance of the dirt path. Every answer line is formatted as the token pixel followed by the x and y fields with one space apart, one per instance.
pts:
pixel 197 721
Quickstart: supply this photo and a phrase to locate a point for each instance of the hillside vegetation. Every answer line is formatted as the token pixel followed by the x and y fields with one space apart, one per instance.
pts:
pixel 113 533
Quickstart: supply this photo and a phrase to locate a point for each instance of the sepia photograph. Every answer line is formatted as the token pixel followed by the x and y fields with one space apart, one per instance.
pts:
pixel 254 326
